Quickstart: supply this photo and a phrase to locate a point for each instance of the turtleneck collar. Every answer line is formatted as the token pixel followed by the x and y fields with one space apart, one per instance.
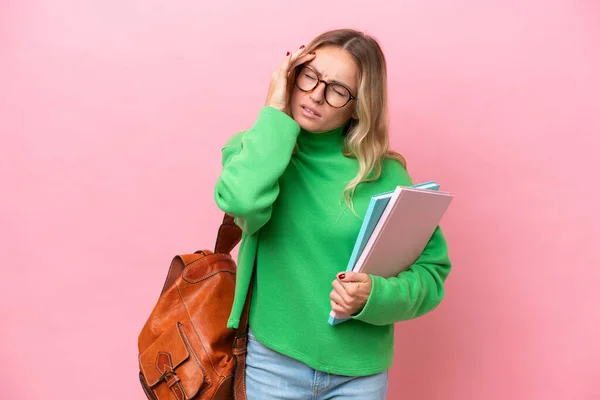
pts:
pixel 323 143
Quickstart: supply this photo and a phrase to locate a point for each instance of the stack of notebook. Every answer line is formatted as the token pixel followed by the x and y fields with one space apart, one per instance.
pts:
pixel 396 228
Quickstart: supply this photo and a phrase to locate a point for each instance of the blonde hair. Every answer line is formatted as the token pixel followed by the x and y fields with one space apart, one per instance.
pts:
pixel 366 138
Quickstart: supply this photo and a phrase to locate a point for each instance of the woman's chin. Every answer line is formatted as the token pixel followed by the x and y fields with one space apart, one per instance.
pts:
pixel 308 124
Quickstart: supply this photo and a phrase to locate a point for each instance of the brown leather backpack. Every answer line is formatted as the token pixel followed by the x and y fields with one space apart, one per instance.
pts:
pixel 186 351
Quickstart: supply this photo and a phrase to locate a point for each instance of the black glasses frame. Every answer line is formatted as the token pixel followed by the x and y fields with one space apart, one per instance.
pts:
pixel 319 80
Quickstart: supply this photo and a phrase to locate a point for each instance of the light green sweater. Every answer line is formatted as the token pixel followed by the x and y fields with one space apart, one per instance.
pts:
pixel 300 233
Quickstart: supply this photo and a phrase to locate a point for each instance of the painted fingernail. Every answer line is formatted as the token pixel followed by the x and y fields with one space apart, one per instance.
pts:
pixel 301 47
pixel 312 53
pixel 288 53
pixel 342 276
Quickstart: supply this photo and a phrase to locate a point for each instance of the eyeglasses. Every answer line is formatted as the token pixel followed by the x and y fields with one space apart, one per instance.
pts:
pixel 336 94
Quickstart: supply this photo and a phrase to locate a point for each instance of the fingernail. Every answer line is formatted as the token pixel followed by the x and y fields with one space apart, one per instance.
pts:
pixel 301 47
pixel 288 53
pixel 312 53
pixel 342 276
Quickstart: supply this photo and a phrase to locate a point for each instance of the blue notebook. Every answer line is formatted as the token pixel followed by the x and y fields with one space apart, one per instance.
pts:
pixel 374 211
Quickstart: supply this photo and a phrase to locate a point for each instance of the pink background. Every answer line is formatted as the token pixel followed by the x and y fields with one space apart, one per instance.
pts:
pixel 113 113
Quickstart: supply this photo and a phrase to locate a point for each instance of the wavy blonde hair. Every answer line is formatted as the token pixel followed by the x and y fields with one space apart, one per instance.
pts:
pixel 366 138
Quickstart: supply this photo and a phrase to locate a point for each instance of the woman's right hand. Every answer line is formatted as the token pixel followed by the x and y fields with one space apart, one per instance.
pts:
pixel 278 95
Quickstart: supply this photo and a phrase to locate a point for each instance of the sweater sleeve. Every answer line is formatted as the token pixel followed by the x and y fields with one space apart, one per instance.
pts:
pixel 413 292
pixel 252 163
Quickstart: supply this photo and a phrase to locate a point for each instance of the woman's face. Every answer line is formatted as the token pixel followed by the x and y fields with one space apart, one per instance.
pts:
pixel 309 109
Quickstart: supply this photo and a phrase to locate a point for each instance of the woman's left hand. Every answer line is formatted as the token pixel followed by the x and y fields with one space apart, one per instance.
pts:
pixel 350 292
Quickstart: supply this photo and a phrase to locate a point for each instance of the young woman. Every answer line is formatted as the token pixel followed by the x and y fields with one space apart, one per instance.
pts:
pixel 298 183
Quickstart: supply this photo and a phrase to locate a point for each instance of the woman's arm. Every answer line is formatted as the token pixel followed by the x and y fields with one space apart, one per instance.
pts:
pixel 253 161
pixel 413 292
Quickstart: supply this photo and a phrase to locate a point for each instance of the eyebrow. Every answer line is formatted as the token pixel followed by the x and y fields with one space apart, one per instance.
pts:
pixel 332 81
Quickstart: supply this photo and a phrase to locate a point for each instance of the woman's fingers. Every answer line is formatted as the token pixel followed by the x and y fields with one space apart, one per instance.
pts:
pixel 278 93
pixel 296 58
pixel 285 64
pixel 340 301
pixel 342 292
pixel 301 58
pixel 336 307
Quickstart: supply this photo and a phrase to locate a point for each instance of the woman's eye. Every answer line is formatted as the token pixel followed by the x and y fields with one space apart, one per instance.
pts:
pixel 339 91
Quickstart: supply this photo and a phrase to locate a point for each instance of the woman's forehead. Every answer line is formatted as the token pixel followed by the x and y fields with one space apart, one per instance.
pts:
pixel 335 64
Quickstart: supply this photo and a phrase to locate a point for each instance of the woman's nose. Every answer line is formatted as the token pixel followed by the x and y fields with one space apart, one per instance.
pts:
pixel 318 93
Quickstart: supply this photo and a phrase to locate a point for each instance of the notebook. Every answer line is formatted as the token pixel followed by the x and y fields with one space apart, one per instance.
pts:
pixel 395 231
pixel 374 210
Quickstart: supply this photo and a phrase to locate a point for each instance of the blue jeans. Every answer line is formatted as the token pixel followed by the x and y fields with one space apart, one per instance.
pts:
pixel 274 376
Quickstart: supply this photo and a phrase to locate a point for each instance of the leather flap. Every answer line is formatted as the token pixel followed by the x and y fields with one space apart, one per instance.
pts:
pixel 165 354
pixel 206 267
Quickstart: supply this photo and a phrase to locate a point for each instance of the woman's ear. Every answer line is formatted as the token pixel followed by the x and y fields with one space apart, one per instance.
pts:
pixel 355 114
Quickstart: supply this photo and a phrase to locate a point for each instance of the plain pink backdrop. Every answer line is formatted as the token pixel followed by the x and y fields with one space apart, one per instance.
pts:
pixel 112 117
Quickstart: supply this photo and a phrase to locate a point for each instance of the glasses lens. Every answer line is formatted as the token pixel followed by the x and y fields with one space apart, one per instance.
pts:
pixel 337 95
pixel 307 79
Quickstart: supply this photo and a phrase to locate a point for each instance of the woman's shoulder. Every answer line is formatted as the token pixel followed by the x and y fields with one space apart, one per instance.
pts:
pixel 393 170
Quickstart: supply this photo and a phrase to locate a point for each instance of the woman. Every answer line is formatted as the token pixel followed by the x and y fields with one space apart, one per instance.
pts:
pixel 298 183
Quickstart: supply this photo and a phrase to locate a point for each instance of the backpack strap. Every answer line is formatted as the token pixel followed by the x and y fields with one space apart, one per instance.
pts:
pixel 229 235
